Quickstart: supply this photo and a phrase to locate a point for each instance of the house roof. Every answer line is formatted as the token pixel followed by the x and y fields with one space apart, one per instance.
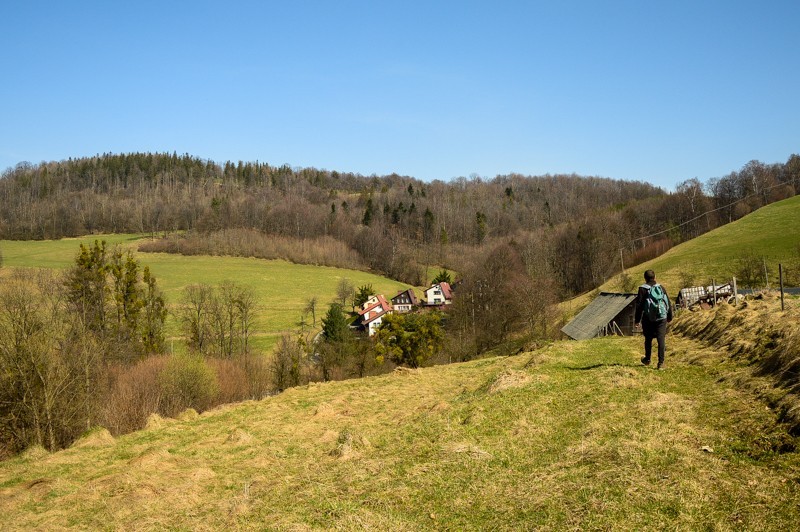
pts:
pixel 448 294
pixel 381 302
pixel 369 320
pixel 604 308
pixel 411 296
pixel 444 287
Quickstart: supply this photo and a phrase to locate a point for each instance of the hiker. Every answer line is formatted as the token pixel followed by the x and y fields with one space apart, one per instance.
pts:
pixel 653 312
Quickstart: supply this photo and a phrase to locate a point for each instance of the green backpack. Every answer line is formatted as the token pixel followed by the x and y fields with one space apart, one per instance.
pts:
pixel 655 306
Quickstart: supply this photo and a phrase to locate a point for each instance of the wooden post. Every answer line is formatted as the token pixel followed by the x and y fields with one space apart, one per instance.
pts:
pixel 735 293
pixel 766 275
pixel 780 278
pixel 621 261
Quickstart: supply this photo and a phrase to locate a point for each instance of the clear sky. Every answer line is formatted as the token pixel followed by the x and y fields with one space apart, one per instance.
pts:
pixel 652 91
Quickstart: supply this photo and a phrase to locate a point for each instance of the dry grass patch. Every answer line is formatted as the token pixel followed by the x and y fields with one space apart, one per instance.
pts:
pixel 34 452
pixel 508 379
pixel 188 415
pixel 621 377
pixel 239 437
pixel 570 444
pixel 755 345
pixel 155 422
pixel 99 437
pixel 468 449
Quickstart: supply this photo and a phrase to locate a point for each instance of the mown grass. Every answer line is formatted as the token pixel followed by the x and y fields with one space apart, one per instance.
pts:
pixel 282 289
pixel 572 436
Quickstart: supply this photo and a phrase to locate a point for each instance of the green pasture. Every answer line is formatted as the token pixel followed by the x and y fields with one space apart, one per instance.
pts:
pixel 282 289
pixel 771 233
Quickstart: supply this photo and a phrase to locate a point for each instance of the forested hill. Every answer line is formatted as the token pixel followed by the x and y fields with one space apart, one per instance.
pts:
pixel 564 227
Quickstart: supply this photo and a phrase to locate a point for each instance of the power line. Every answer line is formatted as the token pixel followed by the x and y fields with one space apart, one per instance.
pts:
pixel 709 212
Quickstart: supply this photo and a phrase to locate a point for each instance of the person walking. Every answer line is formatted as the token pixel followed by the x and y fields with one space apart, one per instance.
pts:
pixel 653 312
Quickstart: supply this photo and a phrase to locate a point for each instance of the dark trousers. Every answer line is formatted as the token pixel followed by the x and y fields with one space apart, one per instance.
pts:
pixel 657 330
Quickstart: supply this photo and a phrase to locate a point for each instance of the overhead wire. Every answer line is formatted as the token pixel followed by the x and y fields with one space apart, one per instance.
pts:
pixel 706 213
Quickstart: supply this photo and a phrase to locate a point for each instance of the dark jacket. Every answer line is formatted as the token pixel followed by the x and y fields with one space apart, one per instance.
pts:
pixel 641 297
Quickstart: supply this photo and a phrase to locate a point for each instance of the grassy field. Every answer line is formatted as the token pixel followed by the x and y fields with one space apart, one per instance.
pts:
pixel 772 232
pixel 282 288
pixel 572 436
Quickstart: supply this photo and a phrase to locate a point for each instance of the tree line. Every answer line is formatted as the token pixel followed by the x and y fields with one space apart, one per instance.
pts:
pixel 583 227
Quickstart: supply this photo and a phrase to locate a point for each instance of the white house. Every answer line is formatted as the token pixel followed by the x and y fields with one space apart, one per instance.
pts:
pixel 439 294
pixel 372 312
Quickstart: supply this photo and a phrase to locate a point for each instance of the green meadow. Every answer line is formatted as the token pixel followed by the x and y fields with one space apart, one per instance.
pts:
pixel 282 289
pixel 771 233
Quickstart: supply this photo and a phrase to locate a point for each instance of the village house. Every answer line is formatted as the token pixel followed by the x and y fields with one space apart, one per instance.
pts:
pixel 438 295
pixel 372 312
pixel 405 301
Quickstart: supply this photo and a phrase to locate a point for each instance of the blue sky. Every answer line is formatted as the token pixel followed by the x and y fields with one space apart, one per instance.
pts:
pixel 653 91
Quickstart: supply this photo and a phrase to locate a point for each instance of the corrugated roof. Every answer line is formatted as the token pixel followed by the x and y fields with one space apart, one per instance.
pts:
pixel 590 321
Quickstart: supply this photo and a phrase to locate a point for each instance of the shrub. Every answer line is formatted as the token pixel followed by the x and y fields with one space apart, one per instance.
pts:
pixel 628 283
pixel 241 379
pixel 687 279
pixel 287 364
pixel 750 270
pixel 187 381
pixel 132 394
pixel 409 339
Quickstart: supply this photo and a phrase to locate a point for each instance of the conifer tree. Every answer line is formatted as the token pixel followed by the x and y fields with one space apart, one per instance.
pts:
pixel 334 324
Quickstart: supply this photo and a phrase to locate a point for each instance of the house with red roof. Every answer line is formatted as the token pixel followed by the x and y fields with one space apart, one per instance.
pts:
pixel 372 313
pixel 438 295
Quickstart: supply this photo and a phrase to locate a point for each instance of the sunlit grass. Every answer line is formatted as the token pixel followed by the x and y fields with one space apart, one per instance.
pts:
pixel 771 232
pixel 575 436
pixel 282 289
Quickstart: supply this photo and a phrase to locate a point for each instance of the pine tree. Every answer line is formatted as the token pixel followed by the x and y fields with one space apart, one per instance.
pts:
pixel 334 324
pixel 368 212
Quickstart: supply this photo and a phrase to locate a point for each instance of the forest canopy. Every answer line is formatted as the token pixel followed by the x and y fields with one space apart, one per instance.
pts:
pixel 573 229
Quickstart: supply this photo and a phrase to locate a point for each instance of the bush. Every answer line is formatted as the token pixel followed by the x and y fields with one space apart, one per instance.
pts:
pixel 687 279
pixel 409 339
pixel 132 394
pixel 187 381
pixel 242 379
pixel 288 364
pixel 628 283
pixel 750 271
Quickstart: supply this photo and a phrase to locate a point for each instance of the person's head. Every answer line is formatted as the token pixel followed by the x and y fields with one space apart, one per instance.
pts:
pixel 649 276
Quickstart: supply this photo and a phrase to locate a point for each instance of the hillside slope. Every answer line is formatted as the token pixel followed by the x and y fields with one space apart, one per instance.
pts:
pixel 771 232
pixel 574 435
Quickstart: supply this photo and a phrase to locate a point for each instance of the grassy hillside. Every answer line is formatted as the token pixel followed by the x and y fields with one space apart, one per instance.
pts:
pixel 282 288
pixel 572 436
pixel 772 232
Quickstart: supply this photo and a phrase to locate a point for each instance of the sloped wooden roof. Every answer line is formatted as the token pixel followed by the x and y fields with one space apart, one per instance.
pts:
pixel 591 320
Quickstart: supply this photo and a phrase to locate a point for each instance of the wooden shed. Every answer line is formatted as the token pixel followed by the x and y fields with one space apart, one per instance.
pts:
pixel 608 313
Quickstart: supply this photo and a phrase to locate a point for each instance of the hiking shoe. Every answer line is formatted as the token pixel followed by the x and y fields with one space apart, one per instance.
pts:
pixel 660 367
pixel 645 361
